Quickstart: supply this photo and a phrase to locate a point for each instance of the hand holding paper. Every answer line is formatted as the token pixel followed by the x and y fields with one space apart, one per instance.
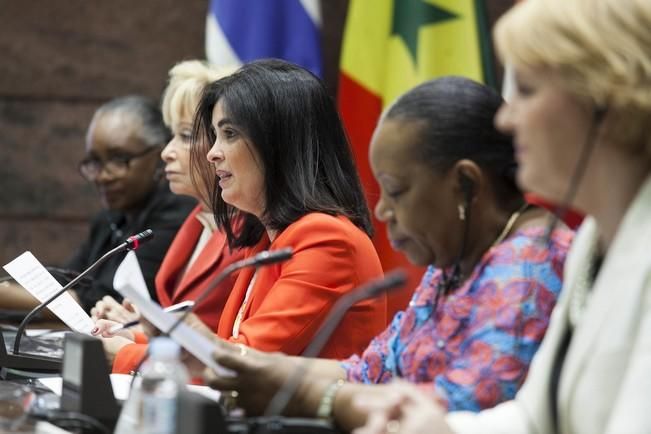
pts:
pixel 195 343
pixel 32 275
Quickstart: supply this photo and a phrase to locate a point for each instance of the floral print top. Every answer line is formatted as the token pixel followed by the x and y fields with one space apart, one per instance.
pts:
pixel 473 347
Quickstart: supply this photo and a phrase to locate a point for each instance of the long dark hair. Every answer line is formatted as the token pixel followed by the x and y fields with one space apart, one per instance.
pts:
pixel 285 112
pixel 458 123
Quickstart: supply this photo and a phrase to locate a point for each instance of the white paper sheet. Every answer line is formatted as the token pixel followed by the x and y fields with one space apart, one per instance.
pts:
pixel 194 342
pixel 122 387
pixel 32 275
pixel 129 272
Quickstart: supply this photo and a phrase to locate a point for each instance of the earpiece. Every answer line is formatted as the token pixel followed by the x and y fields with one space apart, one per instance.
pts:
pixel 467 187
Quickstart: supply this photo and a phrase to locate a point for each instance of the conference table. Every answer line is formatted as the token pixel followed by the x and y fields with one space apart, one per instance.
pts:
pixel 199 408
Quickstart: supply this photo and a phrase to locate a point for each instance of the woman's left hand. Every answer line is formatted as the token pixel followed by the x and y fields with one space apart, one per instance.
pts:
pixel 400 408
pixel 109 308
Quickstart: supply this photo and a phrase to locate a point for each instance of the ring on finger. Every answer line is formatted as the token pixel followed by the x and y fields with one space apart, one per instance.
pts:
pixel 229 400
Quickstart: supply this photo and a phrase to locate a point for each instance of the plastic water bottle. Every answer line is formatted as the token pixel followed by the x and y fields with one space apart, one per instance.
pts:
pixel 151 407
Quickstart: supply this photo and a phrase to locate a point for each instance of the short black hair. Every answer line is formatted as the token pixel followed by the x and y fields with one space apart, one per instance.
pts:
pixel 457 115
pixel 153 132
pixel 285 112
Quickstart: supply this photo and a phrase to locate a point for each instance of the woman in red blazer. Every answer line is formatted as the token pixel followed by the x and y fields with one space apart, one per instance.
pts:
pixel 282 159
pixel 199 251
pixel 284 168
pixel 288 302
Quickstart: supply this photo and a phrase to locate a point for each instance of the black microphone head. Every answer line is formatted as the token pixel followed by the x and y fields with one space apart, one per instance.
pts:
pixel 272 256
pixel 391 280
pixel 134 241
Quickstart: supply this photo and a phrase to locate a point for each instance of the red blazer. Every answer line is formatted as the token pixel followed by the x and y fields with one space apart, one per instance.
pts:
pixel 572 217
pixel 289 301
pixel 214 257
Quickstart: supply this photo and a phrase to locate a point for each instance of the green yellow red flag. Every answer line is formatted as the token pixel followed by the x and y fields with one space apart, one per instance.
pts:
pixel 389 47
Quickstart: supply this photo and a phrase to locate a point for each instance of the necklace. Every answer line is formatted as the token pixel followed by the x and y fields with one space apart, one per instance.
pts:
pixel 509 224
pixel 447 283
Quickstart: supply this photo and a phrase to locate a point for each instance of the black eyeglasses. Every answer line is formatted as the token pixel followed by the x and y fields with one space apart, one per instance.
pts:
pixel 116 165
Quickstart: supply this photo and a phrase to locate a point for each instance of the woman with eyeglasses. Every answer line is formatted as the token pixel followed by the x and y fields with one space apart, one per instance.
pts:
pixel 123 145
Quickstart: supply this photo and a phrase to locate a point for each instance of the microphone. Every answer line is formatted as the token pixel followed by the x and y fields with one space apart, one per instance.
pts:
pixel 132 243
pixel 266 257
pixel 372 289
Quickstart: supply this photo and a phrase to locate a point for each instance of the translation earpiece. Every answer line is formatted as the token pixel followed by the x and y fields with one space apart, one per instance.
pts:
pixel 467 187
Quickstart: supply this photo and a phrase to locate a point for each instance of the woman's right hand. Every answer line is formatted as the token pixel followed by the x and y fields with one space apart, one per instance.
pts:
pixel 259 375
pixel 103 329
pixel 109 308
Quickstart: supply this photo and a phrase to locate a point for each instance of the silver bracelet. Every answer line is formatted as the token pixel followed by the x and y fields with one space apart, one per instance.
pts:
pixel 326 405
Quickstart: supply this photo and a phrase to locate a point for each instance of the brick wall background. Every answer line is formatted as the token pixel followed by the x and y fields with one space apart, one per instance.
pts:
pixel 61 59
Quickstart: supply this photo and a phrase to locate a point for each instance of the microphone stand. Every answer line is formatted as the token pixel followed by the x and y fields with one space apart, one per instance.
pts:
pixel 48 363
pixel 263 258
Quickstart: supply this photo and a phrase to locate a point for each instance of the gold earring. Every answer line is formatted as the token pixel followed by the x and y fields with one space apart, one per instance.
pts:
pixel 462 212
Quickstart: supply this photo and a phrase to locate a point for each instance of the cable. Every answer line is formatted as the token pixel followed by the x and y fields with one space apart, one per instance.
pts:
pixel 577 176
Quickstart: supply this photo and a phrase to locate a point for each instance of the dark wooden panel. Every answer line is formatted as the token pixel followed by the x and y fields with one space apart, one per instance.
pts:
pixel 334 18
pixel 40 146
pixel 51 241
pixel 95 49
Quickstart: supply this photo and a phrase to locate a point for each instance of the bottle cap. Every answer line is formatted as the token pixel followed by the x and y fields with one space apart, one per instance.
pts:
pixel 164 348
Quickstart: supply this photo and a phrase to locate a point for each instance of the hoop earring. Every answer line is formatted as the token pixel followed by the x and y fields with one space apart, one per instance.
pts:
pixel 462 212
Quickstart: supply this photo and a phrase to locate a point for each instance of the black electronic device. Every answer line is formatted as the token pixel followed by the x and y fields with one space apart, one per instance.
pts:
pixel 32 360
pixel 86 380
pixel 18 359
pixel 200 415
pixel 197 414
pixel 279 425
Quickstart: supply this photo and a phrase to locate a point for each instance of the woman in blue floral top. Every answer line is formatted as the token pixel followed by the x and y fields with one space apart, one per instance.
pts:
pixel 474 346
pixel 449 200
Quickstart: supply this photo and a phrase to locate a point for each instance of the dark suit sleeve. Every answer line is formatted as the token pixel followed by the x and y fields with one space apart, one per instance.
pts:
pixel 164 215
pixel 165 222
pixel 97 242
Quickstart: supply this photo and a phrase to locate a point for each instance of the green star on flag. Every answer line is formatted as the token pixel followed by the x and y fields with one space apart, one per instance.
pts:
pixel 410 15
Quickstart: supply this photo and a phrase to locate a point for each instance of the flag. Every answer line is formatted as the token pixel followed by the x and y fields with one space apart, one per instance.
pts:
pixel 239 31
pixel 390 46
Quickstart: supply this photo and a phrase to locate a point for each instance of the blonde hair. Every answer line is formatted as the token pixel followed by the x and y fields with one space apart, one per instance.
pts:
pixel 186 82
pixel 601 50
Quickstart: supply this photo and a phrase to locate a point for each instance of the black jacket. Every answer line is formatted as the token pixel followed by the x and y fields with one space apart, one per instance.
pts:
pixel 164 212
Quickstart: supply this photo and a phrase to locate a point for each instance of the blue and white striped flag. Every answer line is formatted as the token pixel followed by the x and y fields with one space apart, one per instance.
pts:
pixel 239 31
